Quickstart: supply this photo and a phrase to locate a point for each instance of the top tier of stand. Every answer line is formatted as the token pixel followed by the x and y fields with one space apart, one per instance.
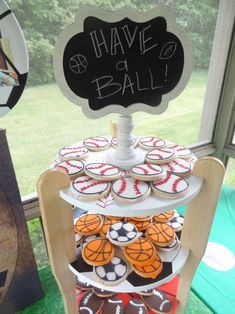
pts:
pixel 124 157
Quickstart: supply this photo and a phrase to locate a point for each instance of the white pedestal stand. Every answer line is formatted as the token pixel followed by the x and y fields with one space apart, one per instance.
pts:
pixel 125 155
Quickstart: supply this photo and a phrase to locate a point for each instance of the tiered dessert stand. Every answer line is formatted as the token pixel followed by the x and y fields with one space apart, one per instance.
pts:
pixel 57 201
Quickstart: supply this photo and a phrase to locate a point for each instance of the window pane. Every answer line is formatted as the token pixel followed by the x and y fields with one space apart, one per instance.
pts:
pixel 44 120
pixel 233 139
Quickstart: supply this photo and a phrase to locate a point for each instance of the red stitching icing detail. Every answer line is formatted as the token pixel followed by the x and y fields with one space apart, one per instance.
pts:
pixel 96 139
pixel 170 167
pixel 136 188
pixel 152 168
pixel 107 169
pixel 181 149
pixel 178 147
pixel 73 148
pixel 62 167
pixel 122 187
pixel 91 143
pixel 143 141
pixel 181 165
pixel 79 151
pixel 168 176
pixel 154 154
pixel 71 165
pixel 164 150
pixel 143 169
pixel 100 166
pixel 92 184
pixel 83 181
pixel 156 141
pixel 174 186
pixel 94 167
pixel 100 139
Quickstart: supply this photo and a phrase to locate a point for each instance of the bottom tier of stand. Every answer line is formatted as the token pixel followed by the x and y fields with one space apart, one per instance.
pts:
pixel 173 261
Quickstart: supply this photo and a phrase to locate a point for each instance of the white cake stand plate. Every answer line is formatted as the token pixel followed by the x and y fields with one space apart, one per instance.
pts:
pixel 153 205
pixel 173 262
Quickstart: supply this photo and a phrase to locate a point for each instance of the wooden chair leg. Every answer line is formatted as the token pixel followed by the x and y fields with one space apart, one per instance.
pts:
pixel 197 223
pixel 57 218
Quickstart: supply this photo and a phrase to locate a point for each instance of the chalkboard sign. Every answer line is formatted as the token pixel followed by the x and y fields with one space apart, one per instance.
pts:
pixel 124 61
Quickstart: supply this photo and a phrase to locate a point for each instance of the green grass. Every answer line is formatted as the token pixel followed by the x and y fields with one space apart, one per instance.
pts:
pixel 44 121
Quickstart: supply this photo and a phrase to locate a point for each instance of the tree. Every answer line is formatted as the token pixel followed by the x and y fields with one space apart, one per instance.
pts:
pixel 198 18
pixel 42 21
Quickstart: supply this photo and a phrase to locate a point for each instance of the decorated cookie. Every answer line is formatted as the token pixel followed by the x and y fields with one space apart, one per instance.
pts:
pixel 146 292
pixel 192 161
pixel 182 151
pixel 73 168
pixel 142 252
pixel 102 171
pixel 112 273
pixel 122 233
pixel 141 218
pixel 86 188
pixel 140 225
pixel 103 293
pixel 164 217
pixel 171 186
pixel 90 238
pixel 157 302
pixel 88 224
pixel 149 271
pixel 83 285
pixel 114 142
pixel 160 155
pixel 98 252
pixel 113 305
pixel 174 244
pixel 179 167
pixel 147 172
pixel 135 306
pixel 151 142
pixel 108 222
pixel 177 222
pixel 96 143
pixel 114 217
pixel 90 303
pixel 129 190
pixel 161 234
pixel 73 152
